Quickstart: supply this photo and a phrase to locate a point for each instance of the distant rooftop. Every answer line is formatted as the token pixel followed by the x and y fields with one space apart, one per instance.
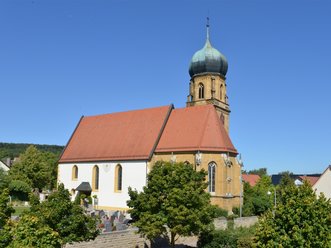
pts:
pixel 252 179
pixel 311 178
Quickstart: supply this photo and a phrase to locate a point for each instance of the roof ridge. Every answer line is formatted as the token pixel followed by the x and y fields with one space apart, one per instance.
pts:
pixel 171 107
pixel 126 111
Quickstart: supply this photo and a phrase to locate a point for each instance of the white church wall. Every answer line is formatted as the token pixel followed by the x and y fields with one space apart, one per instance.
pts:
pixel 133 175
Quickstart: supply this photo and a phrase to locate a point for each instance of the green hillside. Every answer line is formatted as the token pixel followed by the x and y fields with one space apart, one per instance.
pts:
pixel 13 150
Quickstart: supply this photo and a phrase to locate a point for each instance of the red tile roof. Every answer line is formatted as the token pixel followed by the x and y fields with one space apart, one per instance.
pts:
pixel 130 135
pixel 195 128
pixel 251 179
pixel 135 135
pixel 312 180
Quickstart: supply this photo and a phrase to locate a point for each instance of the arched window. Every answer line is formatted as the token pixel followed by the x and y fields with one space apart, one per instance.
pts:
pixel 201 91
pixel 118 178
pixel 95 178
pixel 211 176
pixel 221 92
pixel 74 172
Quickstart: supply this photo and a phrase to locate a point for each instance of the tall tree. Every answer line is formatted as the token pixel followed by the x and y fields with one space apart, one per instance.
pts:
pixel 174 200
pixel 29 231
pixel 35 168
pixel 258 199
pixel 64 217
pixel 300 220
pixel 4 179
pixel 5 208
pixel 261 172
pixel 52 223
pixel 285 182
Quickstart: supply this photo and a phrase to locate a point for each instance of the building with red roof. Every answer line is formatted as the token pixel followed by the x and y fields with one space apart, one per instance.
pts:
pixel 108 153
pixel 251 179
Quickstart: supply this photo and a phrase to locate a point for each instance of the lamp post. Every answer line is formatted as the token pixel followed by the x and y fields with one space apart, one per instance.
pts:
pixel 241 164
pixel 275 199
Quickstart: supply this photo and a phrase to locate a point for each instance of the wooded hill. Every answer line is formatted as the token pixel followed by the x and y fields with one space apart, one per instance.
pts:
pixel 13 150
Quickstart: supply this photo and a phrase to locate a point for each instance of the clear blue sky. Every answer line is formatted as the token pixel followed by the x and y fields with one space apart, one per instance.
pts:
pixel 60 59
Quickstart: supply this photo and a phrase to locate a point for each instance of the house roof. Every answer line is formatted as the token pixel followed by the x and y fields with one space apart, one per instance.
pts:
pixel 131 135
pixel 311 179
pixel 252 179
pixel 195 129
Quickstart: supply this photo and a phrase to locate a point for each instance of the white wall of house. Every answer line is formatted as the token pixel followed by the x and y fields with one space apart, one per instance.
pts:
pixel 3 166
pixel 133 175
pixel 324 183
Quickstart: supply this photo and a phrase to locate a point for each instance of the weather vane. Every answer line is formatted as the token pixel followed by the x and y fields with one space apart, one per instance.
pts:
pixel 207 28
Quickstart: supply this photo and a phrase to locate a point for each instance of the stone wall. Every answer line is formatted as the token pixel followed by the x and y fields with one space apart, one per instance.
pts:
pixel 131 239
pixel 222 223
pixel 119 239
pixel 245 221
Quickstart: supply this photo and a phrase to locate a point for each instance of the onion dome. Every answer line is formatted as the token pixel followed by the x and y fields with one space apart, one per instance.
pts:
pixel 208 59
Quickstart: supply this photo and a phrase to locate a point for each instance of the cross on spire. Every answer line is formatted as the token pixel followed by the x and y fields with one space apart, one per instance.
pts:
pixel 207 25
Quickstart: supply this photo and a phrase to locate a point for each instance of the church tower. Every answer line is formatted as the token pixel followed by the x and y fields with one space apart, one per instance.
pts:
pixel 208 68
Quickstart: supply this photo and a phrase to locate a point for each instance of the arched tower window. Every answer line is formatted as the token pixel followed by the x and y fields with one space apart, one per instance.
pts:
pixel 118 178
pixel 211 176
pixel 221 92
pixel 95 178
pixel 201 91
pixel 74 172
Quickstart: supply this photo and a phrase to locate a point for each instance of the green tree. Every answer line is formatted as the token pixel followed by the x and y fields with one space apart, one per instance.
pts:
pixel 5 208
pixel 285 182
pixel 173 201
pixel 261 172
pixel 6 236
pixel 30 232
pixel 13 150
pixel 300 220
pixel 257 199
pixel 35 168
pixel 228 238
pixel 64 217
pixel 52 223
pixel 19 189
pixel 286 179
pixel 4 179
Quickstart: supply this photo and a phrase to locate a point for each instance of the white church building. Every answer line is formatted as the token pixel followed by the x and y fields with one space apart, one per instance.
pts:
pixel 110 153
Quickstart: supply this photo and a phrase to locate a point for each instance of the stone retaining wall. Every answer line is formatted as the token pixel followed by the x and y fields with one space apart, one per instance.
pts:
pixel 119 239
pixel 245 221
pixel 131 239
pixel 222 223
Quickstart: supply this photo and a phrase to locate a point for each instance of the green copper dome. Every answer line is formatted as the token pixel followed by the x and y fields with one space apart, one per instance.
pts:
pixel 208 59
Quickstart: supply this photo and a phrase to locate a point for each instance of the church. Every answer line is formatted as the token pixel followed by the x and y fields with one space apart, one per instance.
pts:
pixel 108 153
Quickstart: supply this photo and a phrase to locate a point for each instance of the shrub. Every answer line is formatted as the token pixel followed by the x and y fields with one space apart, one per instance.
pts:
pixel 229 238
pixel 19 190
pixel 220 212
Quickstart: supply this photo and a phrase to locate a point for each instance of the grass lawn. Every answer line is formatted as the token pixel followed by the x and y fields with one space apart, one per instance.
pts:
pixel 19 210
